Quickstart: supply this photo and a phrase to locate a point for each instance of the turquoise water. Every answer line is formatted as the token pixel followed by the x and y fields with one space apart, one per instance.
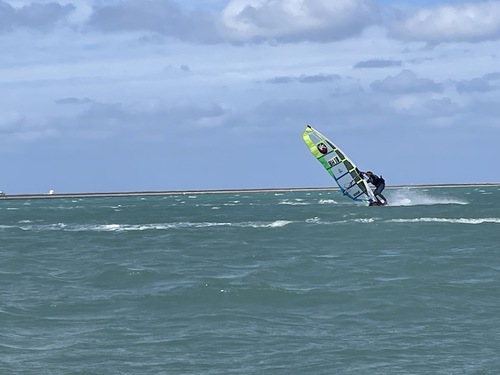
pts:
pixel 253 283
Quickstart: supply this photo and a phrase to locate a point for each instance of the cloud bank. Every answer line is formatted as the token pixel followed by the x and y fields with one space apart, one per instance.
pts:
pixel 254 21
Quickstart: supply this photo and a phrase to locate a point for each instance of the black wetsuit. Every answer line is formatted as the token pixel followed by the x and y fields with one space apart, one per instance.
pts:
pixel 376 180
pixel 379 184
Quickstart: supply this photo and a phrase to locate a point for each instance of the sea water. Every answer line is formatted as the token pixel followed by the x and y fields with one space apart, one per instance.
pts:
pixel 298 282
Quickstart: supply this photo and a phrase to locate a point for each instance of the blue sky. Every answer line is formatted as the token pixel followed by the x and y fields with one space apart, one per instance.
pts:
pixel 135 95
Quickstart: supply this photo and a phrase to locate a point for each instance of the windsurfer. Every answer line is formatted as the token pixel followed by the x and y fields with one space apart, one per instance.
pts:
pixel 379 184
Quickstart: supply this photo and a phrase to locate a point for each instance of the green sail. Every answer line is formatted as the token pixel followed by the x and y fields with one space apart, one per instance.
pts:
pixel 338 165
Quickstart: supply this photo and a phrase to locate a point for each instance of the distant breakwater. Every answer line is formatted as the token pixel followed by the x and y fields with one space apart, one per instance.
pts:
pixel 215 191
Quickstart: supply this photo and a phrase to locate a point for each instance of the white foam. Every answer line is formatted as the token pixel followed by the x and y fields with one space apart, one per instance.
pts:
pixel 365 221
pixel 413 197
pixel 313 220
pixel 493 220
pixel 327 201
pixel 296 202
pixel 279 223
pixel 144 227
pixel 274 224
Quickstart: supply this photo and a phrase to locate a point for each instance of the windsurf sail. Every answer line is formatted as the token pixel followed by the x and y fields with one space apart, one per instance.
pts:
pixel 338 165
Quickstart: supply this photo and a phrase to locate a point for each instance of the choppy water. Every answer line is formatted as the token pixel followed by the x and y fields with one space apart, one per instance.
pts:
pixel 256 283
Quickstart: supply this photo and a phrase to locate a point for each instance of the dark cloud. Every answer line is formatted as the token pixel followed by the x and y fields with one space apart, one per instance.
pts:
pixel 406 82
pixel 474 85
pixel 495 76
pixel 442 107
pixel 34 16
pixel 304 78
pixel 281 80
pixel 7 16
pixel 378 63
pixel 105 122
pixel 160 16
pixel 117 116
pixel 486 83
pixel 318 78
pixel 74 101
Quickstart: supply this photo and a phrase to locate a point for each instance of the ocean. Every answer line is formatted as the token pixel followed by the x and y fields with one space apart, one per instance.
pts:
pixel 293 282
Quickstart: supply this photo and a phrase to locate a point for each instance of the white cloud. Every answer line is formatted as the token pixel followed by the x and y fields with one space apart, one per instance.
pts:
pixel 451 23
pixel 297 20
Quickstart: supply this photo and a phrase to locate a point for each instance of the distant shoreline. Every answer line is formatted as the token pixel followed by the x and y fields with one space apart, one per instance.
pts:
pixel 219 191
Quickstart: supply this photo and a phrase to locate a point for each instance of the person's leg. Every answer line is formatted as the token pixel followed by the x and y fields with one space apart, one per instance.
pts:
pixel 384 198
pixel 379 189
pixel 378 192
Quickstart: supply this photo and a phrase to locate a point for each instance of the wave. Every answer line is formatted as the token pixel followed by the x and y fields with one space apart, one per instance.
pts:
pixel 145 227
pixel 115 227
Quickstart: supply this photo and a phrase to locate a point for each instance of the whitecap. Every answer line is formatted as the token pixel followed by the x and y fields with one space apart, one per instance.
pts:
pixel 313 220
pixel 364 221
pixel 447 220
pixel 327 201
pixel 274 224
pixel 293 203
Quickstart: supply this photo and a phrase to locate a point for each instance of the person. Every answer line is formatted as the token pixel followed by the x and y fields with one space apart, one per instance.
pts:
pixel 379 184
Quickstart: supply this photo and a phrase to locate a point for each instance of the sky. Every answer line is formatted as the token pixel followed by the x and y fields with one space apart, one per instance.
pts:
pixel 154 95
